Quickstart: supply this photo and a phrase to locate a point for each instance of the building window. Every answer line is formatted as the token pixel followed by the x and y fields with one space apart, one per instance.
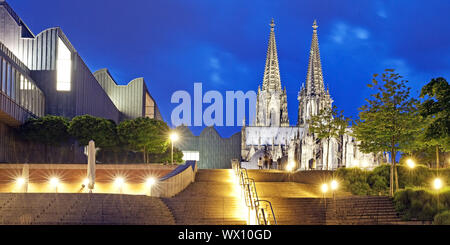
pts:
pixel 8 80
pixel 191 156
pixel 13 84
pixel 63 67
pixel 3 69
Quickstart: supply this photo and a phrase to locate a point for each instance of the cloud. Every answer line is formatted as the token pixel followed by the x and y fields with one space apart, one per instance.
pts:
pixel 382 13
pixel 215 77
pixel 400 65
pixel 343 32
pixel 214 63
pixel 361 33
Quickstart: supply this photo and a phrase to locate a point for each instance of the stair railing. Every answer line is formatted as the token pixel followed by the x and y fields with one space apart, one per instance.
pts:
pixel 248 187
pixel 264 216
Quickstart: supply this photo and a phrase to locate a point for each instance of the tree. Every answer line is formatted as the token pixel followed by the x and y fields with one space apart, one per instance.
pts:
pixel 48 130
pixel 166 156
pixel 102 131
pixel 388 121
pixel 436 110
pixel 145 135
pixel 328 123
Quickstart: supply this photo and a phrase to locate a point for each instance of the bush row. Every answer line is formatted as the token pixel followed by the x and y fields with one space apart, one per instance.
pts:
pixel 376 181
pixel 421 204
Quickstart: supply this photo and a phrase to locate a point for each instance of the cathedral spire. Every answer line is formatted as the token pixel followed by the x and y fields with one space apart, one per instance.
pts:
pixel 271 79
pixel 314 77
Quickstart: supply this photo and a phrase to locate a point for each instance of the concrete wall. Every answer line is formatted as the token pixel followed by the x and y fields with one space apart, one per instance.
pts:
pixel 130 98
pixel 72 175
pixel 215 152
pixel 173 184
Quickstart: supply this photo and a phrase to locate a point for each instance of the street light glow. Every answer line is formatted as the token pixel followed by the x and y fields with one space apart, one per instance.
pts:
pixel 410 163
pixel 324 188
pixel 290 166
pixel 437 183
pixel 334 185
pixel 174 137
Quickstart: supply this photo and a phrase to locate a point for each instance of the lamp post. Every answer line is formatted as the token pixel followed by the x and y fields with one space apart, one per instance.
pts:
pixel 411 165
pixel 324 189
pixel 334 186
pixel 437 184
pixel 173 137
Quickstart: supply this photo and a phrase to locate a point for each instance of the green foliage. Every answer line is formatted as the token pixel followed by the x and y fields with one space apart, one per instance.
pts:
pixel 145 135
pixel 388 122
pixel 376 182
pixel 102 131
pixel 166 156
pixel 354 180
pixel 436 108
pixel 328 123
pixel 421 204
pixel 48 130
pixel 442 218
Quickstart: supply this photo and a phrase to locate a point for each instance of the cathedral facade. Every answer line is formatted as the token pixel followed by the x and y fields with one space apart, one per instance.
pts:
pixel 271 132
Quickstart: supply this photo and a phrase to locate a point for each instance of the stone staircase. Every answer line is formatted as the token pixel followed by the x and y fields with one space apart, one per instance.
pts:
pixel 362 210
pixel 213 199
pixel 297 203
pixel 73 209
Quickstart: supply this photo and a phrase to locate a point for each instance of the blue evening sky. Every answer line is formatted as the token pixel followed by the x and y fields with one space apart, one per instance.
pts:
pixel 174 43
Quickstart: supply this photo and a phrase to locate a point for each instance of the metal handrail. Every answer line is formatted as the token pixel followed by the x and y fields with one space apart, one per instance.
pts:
pixel 271 209
pixel 250 194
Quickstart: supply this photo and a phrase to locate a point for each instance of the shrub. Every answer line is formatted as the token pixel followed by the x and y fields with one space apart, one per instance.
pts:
pixel 355 180
pixel 421 204
pixel 442 218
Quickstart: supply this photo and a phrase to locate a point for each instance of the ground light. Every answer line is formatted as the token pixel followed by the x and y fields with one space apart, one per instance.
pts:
pixel 150 182
pixel 54 181
pixel 86 182
pixel 20 181
pixel 118 182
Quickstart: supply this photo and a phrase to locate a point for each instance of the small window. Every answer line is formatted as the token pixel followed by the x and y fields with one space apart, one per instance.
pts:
pixel 191 156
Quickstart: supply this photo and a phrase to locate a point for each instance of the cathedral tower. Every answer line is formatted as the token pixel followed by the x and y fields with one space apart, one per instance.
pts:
pixel 271 105
pixel 313 96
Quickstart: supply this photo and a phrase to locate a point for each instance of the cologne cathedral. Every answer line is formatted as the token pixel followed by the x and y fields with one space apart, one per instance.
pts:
pixel 271 133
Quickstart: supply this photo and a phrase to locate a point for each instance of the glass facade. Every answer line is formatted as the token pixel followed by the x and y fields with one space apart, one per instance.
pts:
pixel 20 89
pixel 63 67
